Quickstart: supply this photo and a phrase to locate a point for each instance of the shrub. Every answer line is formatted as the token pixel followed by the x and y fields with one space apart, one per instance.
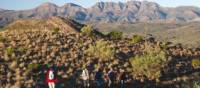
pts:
pixel 21 49
pixel 2 39
pixel 115 35
pixel 190 84
pixel 196 63
pixel 101 50
pixel 33 66
pixel 55 30
pixel 196 84
pixel 9 51
pixel 136 39
pixel 87 30
pixel 149 64
pixel 164 45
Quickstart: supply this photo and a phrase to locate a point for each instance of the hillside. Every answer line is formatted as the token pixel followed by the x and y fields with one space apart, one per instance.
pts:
pixel 26 55
pixel 185 33
pixel 108 12
pixel 67 25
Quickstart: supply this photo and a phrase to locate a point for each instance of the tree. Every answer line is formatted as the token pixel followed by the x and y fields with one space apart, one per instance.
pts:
pixel 149 64
pixel 115 35
pixel 101 49
pixel 87 30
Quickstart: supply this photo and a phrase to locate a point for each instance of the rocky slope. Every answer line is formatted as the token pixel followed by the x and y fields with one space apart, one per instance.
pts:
pixel 26 55
pixel 67 25
pixel 130 12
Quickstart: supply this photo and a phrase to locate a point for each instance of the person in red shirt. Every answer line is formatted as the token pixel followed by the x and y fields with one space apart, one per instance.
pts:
pixel 50 78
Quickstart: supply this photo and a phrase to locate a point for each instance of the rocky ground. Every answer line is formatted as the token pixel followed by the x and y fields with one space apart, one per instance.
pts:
pixel 26 55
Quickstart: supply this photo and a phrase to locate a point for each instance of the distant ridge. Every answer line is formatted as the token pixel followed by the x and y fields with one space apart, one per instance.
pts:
pixel 108 12
pixel 66 25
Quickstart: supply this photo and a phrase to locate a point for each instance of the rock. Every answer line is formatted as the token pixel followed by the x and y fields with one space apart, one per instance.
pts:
pixel 13 65
pixel 21 65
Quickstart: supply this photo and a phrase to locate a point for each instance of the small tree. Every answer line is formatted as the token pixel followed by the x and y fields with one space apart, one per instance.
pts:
pixel 149 64
pixel 136 39
pixel 87 30
pixel 196 63
pixel 9 51
pixel 21 49
pixel 55 30
pixel 32 66
pixel 101 50
pixel 196 84
pixel 2 39
pixel 115 35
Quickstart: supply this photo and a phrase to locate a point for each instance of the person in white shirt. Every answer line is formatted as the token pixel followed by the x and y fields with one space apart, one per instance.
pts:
pixel 85 77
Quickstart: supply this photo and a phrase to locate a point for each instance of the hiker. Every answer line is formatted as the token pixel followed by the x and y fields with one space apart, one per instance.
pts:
pixel 106 78
pixel 99 78
pixel 111 76
pixel 51 79
pixel 122 78
pixel 85 77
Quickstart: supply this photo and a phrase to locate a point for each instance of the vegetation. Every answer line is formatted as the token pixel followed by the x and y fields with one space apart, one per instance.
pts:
pixel 33 66
pixel 196 84
pixel 196 63
pixel 21 49
pixel 9 51
pixel 115 35
pixel 148 65
pixel 32 52
pixel 87 30
pixel 2 39
pixel 190 84
pixel 136 39
pixel 101 50
pixel 55 30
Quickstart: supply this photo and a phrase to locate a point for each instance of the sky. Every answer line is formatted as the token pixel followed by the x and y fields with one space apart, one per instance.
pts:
pixel 29 4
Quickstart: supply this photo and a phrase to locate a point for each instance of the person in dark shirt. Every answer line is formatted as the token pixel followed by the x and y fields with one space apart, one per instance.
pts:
pixel 99 78
pixel 111 76
pixel 122 78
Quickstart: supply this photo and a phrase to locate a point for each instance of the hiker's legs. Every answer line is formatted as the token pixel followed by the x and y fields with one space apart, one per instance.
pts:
pixel 122 84
pixel 51 85
pixel 110 84
pixel 88 83
pixel 85 83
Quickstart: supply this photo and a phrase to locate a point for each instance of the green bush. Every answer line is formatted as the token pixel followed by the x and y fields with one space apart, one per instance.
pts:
pixel 136 39
pixel 9 51
pixel 101 50
pixel 164 45
pixel 190 84
pixel 148 65
pixel 196 63
pixel 196 84
pixel 2 39
pixel 56 30
pixel 87 30
pixel 115 35
pixel 21 49
pixel 33 66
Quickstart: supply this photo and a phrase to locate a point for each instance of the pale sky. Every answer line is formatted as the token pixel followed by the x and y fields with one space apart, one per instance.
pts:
pixel 28 4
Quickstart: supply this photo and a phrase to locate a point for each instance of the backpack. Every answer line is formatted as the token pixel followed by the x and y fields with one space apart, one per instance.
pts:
pixel 98 75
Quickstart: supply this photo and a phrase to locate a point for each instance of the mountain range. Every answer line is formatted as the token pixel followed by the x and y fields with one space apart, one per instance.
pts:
pixel 107 12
